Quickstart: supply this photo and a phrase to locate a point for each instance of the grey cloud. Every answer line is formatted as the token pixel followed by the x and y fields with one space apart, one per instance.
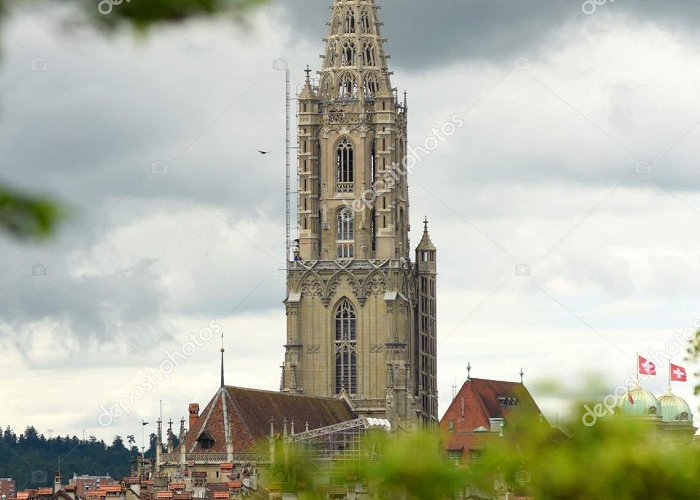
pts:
pixel 424 34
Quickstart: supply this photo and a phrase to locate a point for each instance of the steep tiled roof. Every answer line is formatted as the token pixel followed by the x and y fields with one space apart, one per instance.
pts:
pixel 467 419
pixel 242 416
pixel 478 401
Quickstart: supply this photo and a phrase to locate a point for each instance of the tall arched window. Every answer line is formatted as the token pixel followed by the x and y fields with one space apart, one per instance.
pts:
pixel 364 21
pixel 350 20
pixel 368 53
pixel 345 166
pixel 326 86
pixel 346 234
pixel 332 52
pixel 347 86
pixel 345 348
pixel 349 53
pixel 371 85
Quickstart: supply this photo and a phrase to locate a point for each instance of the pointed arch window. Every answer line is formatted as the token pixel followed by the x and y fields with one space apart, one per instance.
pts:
pixel 345 166
pixel 332 52
pixel 326 86
pixel 368 58
pixel 346 234
pixel 345 348
pixel 349 53
pixel 371 85
pixel 364 21
pixel 347 87
pixel 350 20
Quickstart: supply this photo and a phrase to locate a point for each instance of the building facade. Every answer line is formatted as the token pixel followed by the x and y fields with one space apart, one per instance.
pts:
pixel 361 313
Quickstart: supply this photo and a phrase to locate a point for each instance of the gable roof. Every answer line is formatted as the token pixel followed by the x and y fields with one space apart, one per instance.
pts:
pixel 478 401
pixel 242 417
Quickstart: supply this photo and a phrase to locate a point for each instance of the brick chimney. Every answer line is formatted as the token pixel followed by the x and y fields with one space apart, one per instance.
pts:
pixel 194 414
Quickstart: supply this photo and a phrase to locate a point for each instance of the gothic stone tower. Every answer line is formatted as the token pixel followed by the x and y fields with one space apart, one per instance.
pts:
pixel 361 314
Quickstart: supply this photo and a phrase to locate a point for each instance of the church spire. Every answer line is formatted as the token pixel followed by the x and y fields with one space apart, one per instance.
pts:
pixel 354 64
pixel 425 243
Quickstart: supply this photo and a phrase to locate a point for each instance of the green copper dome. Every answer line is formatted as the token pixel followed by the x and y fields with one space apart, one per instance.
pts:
pixel 638 402
pixel 674 409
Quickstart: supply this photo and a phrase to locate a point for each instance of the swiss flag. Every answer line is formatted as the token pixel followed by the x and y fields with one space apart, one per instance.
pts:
pixel 646 367
pixel 678 373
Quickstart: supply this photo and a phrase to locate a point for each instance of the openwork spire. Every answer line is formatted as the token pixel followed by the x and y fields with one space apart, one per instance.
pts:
pixel 354 65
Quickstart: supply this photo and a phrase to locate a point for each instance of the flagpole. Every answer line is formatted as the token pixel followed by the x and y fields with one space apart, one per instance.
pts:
pixel 669 375
pixel 636 368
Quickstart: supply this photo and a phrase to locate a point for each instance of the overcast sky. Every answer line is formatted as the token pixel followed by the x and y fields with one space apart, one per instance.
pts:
pixel 565 211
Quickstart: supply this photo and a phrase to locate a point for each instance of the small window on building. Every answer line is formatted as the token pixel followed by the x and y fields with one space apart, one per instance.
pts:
pixel 451 426
pixel 455 455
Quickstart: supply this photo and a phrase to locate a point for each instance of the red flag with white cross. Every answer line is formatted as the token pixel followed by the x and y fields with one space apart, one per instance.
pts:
pixel 646 367
pixel 678 373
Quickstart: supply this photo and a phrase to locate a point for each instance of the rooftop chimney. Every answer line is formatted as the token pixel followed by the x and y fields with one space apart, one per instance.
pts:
pixel 194 414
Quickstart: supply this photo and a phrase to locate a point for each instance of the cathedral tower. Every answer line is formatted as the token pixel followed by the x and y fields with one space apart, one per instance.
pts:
pixel 360 312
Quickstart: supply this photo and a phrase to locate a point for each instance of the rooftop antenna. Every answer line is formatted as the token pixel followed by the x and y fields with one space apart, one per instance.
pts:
pixel 222 359
pixel 522 374
pixel 283 65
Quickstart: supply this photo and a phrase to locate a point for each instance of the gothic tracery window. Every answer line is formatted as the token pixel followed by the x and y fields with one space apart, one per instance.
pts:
pixel 350 20
pixel 332 52
pixel 345 166
pixel 349 53
pixel 364 21
pixel 347 86
pixel 371 85
pixel 345 348
pixel 346 234
pixel 368 53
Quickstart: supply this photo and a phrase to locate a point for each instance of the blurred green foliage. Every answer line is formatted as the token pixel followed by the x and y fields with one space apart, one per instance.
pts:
pixel 26 216
pixel 617 459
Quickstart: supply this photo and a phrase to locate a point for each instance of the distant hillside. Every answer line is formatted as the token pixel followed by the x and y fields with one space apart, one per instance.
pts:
pixel 31 459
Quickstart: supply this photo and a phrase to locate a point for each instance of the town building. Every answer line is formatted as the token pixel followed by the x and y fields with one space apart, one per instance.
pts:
pixel 361 312
pixel 669 416
pixel 8 488
pixel 235 444
pixel 480 412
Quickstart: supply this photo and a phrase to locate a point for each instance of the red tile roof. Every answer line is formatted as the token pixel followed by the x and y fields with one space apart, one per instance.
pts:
pixel 220 494
pixel 44 491
pixel 177 486
pixel 477 402
pixel 235 484
pixel 249 411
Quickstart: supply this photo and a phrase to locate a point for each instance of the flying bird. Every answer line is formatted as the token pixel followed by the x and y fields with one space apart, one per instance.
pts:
pixel 263 152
